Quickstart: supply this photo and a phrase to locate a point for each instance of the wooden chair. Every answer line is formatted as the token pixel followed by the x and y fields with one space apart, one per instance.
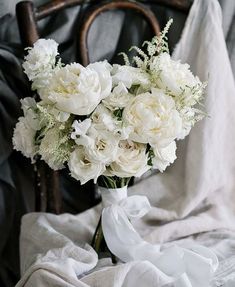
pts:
pixel 47 193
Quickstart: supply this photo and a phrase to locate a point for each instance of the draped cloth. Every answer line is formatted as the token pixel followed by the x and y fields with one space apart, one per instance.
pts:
pixel 197 193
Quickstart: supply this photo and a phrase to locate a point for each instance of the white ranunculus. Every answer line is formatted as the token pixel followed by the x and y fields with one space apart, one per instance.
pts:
pixel 164 156
pixel 24 138
pixel 83 168
pixel 75 89
pixel 132 160
pixel 174 77
pixel 130 76
pixel 40 62
pixel 99 145
pixel 153 117
pixel 119 98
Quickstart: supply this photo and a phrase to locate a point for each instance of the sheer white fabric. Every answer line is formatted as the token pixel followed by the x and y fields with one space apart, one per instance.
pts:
pixel 191 266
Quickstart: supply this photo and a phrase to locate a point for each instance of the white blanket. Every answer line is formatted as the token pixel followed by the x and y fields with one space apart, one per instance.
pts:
pixel 54 253
pixel 195 195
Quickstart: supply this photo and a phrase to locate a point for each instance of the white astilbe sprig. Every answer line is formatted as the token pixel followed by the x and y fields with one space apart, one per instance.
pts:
pixel 158 45
pixel 140 63
pixel 125 58
pixel 56 147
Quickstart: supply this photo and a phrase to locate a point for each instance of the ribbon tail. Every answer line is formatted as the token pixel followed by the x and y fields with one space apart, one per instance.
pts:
pixel 190 267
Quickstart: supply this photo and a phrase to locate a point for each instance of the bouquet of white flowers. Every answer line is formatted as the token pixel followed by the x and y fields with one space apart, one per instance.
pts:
pixel 111 122
pixel 114 121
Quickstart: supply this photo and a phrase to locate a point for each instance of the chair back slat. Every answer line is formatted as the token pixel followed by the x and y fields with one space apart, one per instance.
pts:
pixel 114 5
pixel 27 23
pixel 55 6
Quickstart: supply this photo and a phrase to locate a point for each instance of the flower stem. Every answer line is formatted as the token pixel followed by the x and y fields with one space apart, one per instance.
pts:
pixel 97 238
pixel 99 244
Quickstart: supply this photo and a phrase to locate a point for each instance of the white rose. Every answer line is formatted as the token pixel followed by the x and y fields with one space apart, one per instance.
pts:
pixel 132 160
pixel 129 76
pixel 119 97
pixel 40 62
pixel 163 157
pixel 24 138
pixel 175 77
pixel 99 145
pixel 83 168
pixel 153 117
pixel 75 89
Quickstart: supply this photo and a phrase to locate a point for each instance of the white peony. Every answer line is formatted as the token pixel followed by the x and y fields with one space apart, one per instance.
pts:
pixel 99 145
pixel 83 168
pixel 24 138
pixel 77 90
pixel 132 160
pixel 163 157
pixel 119 97
pixel 176 78
pixel 103 69
pixel 130 76
pixel 153 117
pixel 40 62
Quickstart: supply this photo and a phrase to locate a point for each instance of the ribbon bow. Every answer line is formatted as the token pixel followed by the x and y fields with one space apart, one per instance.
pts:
pixel 176 266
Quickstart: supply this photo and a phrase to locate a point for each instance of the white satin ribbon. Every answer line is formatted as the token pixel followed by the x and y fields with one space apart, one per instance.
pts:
pixel 176 266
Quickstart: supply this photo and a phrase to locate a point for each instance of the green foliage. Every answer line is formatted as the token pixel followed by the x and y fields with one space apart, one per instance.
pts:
pixel 118 114
pixel 150 156
pixel 113 181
